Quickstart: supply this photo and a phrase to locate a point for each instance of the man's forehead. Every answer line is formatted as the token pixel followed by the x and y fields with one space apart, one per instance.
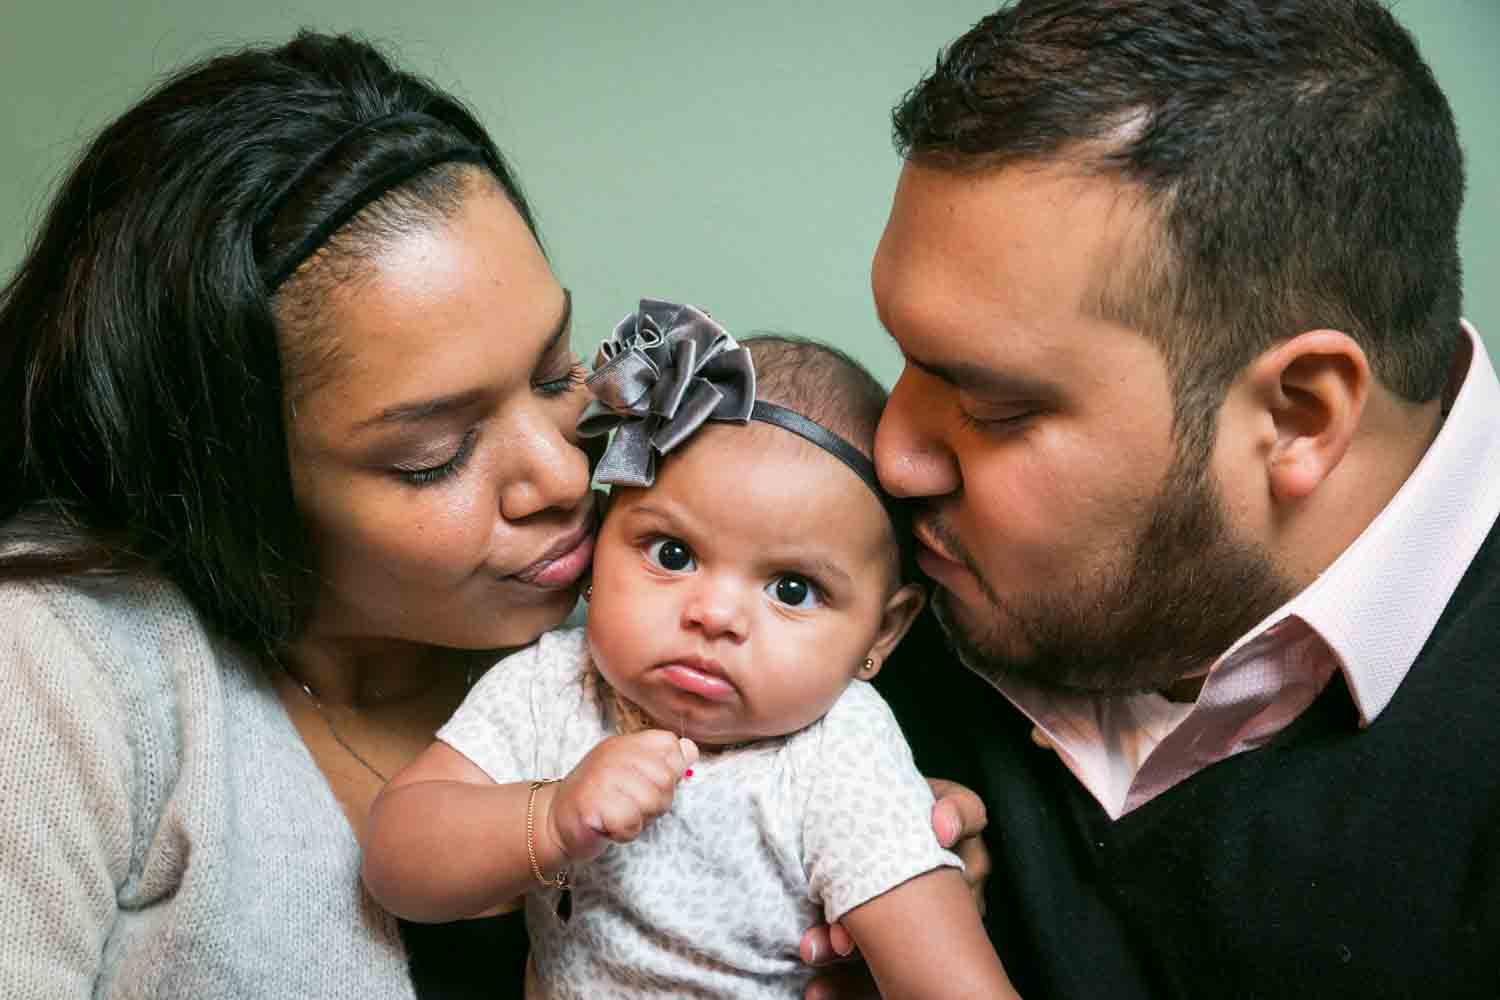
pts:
pixel 1021 250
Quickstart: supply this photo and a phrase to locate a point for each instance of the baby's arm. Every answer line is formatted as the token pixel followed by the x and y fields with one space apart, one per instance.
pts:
pixel 445 842
pixel 924 939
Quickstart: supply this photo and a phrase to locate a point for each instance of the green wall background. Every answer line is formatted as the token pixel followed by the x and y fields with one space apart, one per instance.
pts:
pixel 736 156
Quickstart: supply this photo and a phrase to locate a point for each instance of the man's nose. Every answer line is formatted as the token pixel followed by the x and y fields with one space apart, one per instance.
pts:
pixel 912 455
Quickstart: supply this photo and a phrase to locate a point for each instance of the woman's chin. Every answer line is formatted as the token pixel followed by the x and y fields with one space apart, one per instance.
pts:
pixel 522 626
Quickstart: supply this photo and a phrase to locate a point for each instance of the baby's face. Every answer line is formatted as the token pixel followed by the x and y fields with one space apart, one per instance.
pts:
pixel 737 597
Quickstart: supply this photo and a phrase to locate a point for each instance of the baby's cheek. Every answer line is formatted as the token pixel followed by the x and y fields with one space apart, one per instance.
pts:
pixel 605 643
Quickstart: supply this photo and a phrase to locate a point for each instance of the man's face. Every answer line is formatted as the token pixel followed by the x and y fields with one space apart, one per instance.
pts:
pixel 1073 543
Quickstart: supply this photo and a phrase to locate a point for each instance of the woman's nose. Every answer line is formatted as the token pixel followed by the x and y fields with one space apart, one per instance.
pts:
pixel 547 470
pixel 911 456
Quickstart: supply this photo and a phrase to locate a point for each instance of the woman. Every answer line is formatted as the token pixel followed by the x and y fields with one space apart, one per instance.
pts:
pixel 291 407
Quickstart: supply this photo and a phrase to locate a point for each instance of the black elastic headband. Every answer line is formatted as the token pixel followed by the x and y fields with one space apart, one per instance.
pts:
pixel 373 189
pixel 810 430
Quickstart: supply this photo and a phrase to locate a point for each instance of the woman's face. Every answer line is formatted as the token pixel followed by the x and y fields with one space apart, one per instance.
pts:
pixel 437 465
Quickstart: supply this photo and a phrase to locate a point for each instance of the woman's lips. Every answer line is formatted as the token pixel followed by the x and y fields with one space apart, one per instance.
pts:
pixel 563 565
pixel 700 679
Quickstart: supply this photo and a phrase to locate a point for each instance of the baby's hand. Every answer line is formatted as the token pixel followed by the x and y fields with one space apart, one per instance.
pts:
pixel 623 784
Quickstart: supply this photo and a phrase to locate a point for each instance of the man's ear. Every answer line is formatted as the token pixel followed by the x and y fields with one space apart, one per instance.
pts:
pixel 901 609
pixel 1314 388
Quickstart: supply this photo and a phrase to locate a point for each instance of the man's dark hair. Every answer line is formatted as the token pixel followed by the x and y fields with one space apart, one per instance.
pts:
pixel 145 368
pixel 1299 162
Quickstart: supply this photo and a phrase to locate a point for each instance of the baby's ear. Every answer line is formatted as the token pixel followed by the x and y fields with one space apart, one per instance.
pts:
pixel 901 609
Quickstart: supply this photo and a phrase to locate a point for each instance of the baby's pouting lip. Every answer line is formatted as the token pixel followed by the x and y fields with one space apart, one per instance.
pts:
pixel 698 676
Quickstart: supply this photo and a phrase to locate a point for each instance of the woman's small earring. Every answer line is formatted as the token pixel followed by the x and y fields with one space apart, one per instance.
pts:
pixel 588 592
pixel 869 665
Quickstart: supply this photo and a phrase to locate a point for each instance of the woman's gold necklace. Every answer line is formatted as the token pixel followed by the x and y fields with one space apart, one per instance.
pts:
pixel 333 730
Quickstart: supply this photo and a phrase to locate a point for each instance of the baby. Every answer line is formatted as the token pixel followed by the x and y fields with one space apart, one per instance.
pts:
pixel 686 784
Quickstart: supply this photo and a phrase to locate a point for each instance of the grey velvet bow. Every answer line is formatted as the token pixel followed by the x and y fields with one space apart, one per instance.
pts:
pixel 666 369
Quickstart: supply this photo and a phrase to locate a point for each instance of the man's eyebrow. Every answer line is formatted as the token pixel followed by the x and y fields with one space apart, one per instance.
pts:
pixel 970 377
pixel 427 409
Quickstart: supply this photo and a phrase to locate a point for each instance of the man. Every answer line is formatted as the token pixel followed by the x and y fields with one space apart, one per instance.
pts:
pixel 1207 475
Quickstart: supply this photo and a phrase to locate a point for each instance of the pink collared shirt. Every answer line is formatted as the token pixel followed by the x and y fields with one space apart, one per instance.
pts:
pixel 1367 615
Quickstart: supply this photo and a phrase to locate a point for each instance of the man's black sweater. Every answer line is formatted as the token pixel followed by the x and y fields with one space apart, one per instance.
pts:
pixel 1334 862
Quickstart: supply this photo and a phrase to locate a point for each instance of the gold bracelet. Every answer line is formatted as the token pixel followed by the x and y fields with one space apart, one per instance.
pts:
pixel 561 881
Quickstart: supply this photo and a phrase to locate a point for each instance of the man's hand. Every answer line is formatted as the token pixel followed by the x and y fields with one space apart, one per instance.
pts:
pixel 958 818
pixel 623 784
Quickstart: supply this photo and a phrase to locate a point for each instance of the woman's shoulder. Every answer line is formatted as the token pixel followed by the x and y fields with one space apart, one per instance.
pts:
pixel 95 667
pixel 128 642
pixel 95 605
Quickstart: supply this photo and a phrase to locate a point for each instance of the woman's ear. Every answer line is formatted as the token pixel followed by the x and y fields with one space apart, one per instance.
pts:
pixel 901 609
pixel 1314 388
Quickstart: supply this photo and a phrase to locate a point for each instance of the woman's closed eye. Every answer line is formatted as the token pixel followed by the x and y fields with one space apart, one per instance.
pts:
pixel 795 591
pixel 566 383
pixel 671 554
pixel 428 474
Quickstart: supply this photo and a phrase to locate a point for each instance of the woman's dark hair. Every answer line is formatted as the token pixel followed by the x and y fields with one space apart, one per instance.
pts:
pixel 1299 162
pixel 143 380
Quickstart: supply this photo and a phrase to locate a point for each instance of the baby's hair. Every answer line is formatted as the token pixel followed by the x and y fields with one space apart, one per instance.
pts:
pixel 823 384
pixel 831 388
pixel 820 382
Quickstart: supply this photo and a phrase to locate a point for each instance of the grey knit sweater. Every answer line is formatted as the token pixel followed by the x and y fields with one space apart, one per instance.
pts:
pixel 163 831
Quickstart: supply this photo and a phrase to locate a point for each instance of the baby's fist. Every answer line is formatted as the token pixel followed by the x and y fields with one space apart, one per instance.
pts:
pixel 623 784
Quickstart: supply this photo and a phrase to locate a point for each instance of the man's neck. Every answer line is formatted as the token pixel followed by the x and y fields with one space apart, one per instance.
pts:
pixel 1393 436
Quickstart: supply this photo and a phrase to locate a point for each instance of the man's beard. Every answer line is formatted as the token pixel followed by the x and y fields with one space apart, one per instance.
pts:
pixel 1165 609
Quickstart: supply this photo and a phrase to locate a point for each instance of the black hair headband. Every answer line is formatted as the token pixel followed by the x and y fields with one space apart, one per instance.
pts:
pixel 666 370
pixel 370 191
pixel 810 430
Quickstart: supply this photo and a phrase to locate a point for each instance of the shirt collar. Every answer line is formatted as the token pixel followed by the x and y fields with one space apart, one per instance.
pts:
pixel 1378 602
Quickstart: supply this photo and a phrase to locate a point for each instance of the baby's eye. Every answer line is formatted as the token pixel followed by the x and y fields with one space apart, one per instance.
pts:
pixel 794 591
pixel 671 555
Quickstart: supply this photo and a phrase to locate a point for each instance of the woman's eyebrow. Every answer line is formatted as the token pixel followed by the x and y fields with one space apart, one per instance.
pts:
pixel 427 409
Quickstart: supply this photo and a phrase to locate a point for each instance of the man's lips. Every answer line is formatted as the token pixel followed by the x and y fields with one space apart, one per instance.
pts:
pixel 563 562
pixel 934 558
pixel 928 544
pixel 695 675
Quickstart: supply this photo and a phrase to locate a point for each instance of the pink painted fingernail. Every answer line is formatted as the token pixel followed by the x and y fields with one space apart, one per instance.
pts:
pixel 688 773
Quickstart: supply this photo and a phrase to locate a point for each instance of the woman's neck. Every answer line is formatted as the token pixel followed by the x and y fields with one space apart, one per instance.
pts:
pixel 370 673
